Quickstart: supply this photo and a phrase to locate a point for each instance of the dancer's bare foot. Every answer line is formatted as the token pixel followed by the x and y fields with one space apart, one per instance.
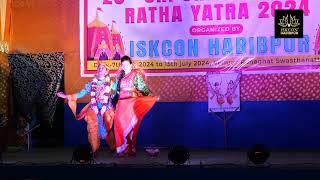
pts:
pixel 121 155
pixel 132 154
pixel 95 155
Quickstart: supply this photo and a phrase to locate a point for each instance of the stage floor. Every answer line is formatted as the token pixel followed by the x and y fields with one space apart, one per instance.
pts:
pixel 205 157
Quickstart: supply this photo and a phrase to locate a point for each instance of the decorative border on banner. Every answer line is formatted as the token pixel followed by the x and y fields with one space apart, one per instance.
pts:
pixel 82 28
pixel 199 66
pixel 215 63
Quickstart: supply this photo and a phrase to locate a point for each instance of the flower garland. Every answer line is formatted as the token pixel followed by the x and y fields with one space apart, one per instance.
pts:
pixel 104 91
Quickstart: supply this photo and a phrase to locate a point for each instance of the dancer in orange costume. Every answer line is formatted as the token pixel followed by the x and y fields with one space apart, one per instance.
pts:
pixel 99 113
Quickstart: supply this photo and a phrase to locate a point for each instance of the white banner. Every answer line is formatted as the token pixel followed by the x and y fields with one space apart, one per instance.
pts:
pixel 171 38
pixel 223 92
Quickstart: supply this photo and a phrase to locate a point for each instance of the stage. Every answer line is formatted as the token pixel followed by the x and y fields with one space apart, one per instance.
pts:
pixel 55 163
pixel 203 157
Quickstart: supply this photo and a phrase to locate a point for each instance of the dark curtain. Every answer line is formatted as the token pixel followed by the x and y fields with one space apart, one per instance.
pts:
pixel 35 81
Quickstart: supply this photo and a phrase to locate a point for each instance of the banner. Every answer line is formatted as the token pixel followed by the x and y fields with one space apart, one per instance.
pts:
pixel 179 36
pixel 223 92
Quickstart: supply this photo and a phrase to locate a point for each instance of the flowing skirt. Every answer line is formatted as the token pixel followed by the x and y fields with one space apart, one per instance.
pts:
pixel 128 117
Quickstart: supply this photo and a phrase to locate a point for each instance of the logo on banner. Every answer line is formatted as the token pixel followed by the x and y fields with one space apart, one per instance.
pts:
pixel 288 23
